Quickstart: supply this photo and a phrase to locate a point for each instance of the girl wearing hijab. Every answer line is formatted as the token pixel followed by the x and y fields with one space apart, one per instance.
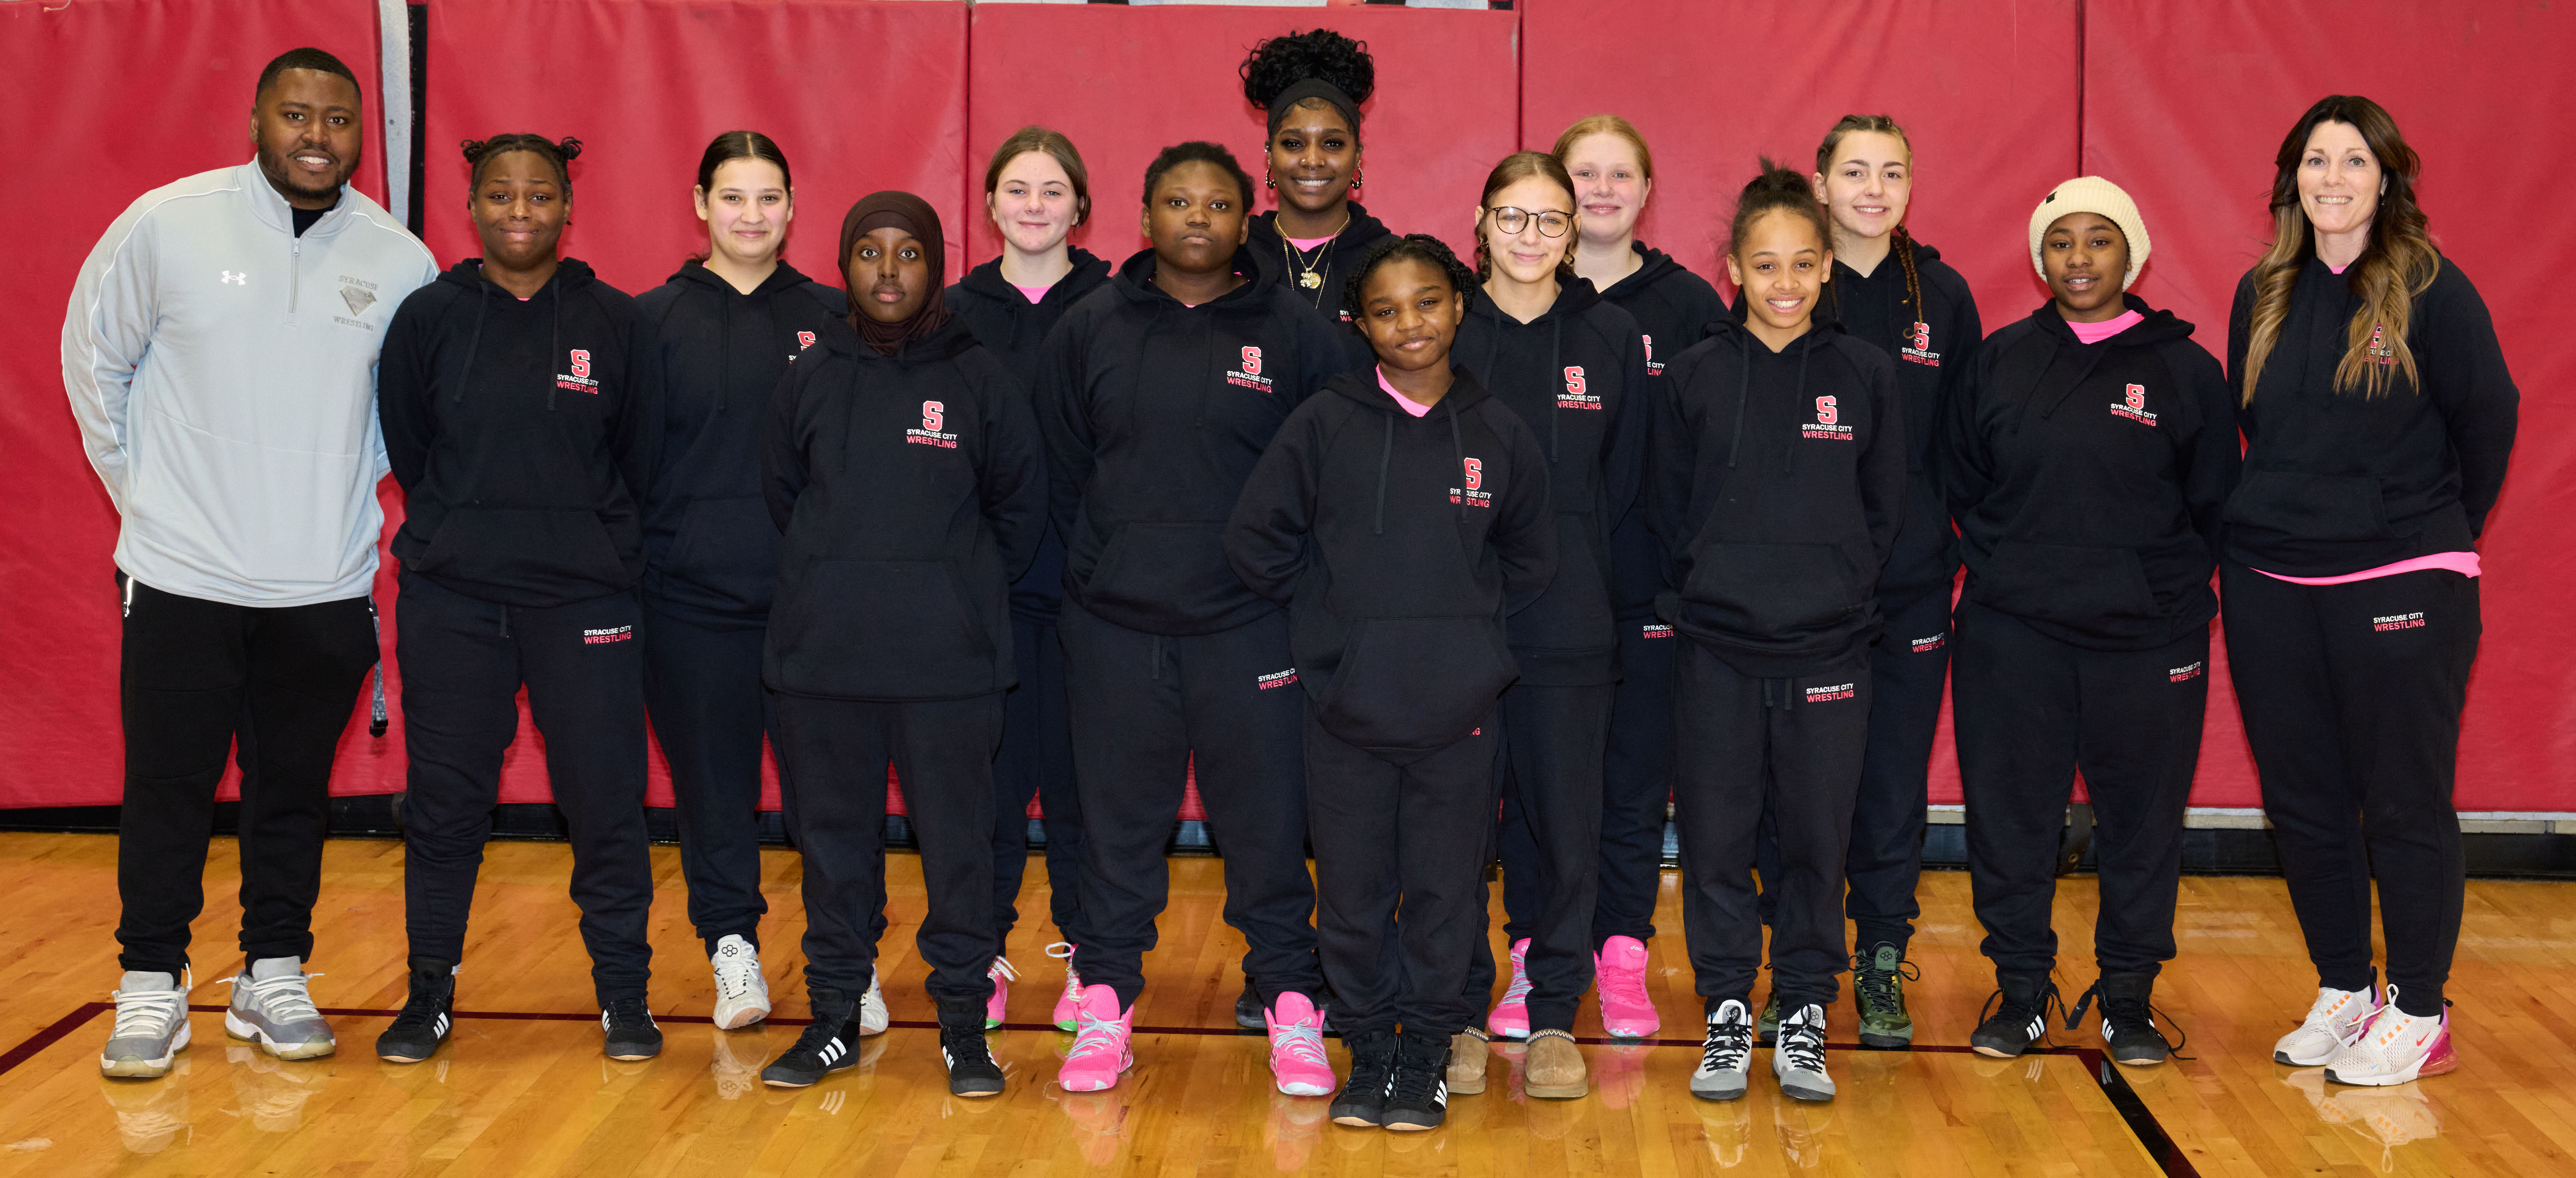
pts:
pixel 2085 459
pixel 1036 191
pixel 1158 393
pixel 903 469
pixel 521 406
pixel 729 323
pixel 1312 84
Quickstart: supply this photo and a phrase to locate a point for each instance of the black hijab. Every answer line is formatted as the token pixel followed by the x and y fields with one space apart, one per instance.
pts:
pixel 913 215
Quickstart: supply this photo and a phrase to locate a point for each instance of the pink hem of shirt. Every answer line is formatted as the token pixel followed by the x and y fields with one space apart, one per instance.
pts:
pixel 2094 333
pixel 1307 243
pixel 2463 563
pixel 1033 294
pixel 1408 404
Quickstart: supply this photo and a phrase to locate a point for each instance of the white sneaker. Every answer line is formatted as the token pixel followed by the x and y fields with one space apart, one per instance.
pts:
pixel 742 992
pixel 273 1007
pixel 2333 1022
pixel 2397 1047
pixel 1798 1055
pixel 151 1025
pixel 872 1010
pixel 1726 1056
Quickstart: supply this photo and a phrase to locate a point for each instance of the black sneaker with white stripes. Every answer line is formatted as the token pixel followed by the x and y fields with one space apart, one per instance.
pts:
pixel 1417 1096
pixel 2015 1016
pixel 962 1046
pixel 628 1031
pixel 2128 1019
pixel 425 1019
pixel 1362 1103
pixel 830 1043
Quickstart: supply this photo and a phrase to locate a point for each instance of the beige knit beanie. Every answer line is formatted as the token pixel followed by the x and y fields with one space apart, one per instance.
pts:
pixel 2091 194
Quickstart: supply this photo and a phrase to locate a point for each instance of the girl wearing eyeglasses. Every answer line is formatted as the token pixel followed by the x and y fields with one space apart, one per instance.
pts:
pixel 1572 366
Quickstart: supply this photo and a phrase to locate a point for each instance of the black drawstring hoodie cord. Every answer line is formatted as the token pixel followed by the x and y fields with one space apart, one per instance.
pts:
pixel 1457 454
pixel 1555 372
pixel 724 348
pixel 554 338
pixel 1800 399
pixel 1385 451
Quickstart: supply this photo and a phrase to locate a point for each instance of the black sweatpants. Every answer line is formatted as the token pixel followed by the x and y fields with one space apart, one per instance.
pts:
pixel 2351 696
pixel 837 753
pixel 702 688
pixel 1908 667
pixel 1636 784
pixel 1400 849
pixel 1789 750
pixel 1036 761
pixel 197 679
pixel 463 662
pixel 1142 705
pixel 1550 844
pixel 2030 712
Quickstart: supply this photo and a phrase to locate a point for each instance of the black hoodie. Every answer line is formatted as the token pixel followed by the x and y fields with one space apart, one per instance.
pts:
pixel 1015 330
pixel 1577 375
pixel 710 552
pixel 522 433
pixel 2087 479
pixel 2337 482
pixel 1929 366
pixel 911 491
pixel 1154 414
pixel 1673 308
pixel 1396 576
pixel 1780 507
pixel 1334 263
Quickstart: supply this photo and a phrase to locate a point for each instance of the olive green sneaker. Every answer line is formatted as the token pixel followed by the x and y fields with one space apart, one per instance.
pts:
pixel 1766 1030
pixel 1878 985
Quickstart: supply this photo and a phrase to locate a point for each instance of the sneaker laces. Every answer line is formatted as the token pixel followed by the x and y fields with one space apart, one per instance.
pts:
pixel 1072 976
pixel 1521 985
pixel 1002 971
pixel 817 1034
pixel 626 1012
pixel 285 999
pixel 1879 985
pixel 734 972
pixel 1303 1043
pixel 1417 1082
pixel 964 1044
pixel 1624 985
pixel 2323 1012
pixel 1729 1046
pixel 2000 1004
pixel 2130 1013
pixel 1093 1033
pixel 149 1013
pixel 1804 1043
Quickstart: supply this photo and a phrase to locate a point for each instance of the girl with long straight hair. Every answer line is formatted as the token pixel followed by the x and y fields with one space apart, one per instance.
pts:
pixel 2378 416
pixel 1311 85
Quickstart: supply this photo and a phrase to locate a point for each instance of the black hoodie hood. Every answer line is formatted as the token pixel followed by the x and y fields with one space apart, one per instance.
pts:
pixel 1334 261
pixel 1577 375
pixel 1778 485
pixel 1154 414
pixel 710 553
pixel 2087 479
pixel 1399 544
pixel 523 433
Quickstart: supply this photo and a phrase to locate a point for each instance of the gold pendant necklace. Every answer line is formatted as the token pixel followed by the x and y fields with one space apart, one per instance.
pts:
pixel 1311 274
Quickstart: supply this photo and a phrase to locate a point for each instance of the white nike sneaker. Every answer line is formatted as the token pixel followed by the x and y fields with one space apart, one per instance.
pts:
pixel 151 1025
pixel 742 992
pixel 2334 1021
pixel 2397 1047
pixel 872 1010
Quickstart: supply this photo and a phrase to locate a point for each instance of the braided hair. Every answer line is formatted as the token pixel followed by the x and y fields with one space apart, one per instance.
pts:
pixel 1414 247
pixel 1321 54
pixel 560 152
pixel 1903 240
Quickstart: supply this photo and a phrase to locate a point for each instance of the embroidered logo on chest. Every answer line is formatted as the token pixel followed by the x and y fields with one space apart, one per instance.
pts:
pixel 1828 426
pixel 2408 621
pixel 1248 374
pixel 1828 694
pixel 1578 392
pixel 1474 493
pixel 1918 346
pixel 1654 367
pixel 2133 405
pixel 2378 349
pixel 934 420
pixel 578 380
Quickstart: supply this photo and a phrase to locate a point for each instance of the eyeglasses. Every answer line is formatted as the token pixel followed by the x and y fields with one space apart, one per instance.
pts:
pixel 1550 223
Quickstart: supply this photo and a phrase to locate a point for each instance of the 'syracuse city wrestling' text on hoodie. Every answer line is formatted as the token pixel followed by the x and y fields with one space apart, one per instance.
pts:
pixel 710 552
pixel 1777 482
pixel 1154 414
pixel 910 489
pixel 2087 479
pixel 524 432
pixel 2337 481
pixel 1577 376
pixel 1399 544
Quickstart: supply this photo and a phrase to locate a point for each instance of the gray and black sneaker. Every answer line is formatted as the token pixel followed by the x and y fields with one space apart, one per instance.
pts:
pixel 1798 1059
pixel 830 1043
pixel 1726 1056
pixel 629 1031
pixel 969 1056
pixel 1362 1103
pixel 2128 1019
pixel 2015 1015
pixel 1417 1095
pixel 151 1025
pixel 425 1019
pixel 272 1007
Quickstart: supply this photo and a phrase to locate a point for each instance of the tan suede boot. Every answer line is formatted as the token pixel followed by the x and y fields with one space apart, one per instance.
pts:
pixel 1554 1069
pixel 1467 1055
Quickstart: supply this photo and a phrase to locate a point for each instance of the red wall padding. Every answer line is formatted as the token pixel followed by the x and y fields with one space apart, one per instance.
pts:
pixel 2475 88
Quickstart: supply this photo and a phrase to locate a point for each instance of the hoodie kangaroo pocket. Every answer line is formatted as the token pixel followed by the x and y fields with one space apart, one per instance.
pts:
pixel 2310 506
pixel 1770 590
pixel 1415 683
pixel 727 549
pixel 562 552
pixel 2073 586
pixel 880 629
pixel 1163 568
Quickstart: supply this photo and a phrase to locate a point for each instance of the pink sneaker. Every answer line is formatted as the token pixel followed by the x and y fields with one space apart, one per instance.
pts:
pixel 1067 1002
pixel 1619 969
pixel 1511 1016
pixel 998 1006
pixel 1100 1049
pixel 1297 1047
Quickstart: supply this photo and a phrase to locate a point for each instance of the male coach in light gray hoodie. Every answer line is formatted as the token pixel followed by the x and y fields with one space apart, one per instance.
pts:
pixel 220 352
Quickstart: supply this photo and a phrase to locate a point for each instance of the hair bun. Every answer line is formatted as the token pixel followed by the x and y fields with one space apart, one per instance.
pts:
pixel 474 149
pixel 1281 62
pixel 569 148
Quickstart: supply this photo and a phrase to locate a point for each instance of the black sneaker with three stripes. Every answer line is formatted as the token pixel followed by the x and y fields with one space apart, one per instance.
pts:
pixel 1417 1095
pixel 2128 1019
pixel 425 1019
pixel 628 1032
pixel 2016 1015
pixel 830 1043
pixel 963 1048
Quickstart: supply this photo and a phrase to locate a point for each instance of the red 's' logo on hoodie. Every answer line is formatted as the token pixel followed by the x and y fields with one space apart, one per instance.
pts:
pixel 578 380
pixel 934 418
pixel 1577 394
pixel 1472 472
pixel 1828 425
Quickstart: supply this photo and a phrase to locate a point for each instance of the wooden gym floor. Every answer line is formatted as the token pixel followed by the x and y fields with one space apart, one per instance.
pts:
pixel 522 1089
